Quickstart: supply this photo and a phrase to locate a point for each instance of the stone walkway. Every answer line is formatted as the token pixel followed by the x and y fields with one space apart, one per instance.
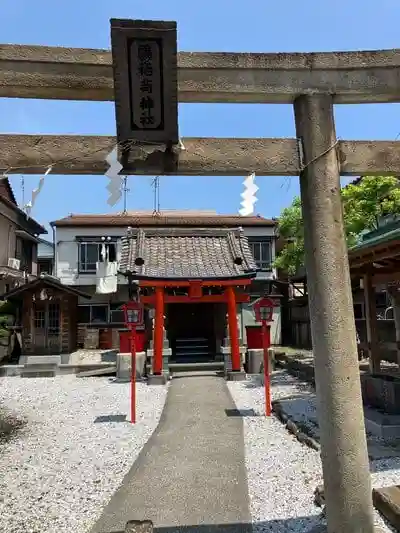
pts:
pixel 191 475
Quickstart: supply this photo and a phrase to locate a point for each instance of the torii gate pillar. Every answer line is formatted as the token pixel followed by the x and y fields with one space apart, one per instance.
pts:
pixel 344 454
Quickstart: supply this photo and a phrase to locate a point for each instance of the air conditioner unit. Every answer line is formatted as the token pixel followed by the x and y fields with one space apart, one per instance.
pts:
pixel 14 263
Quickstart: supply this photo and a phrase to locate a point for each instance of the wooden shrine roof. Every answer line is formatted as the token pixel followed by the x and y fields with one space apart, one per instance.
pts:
pixel 187 254
pixel 378 254
pixel 40 282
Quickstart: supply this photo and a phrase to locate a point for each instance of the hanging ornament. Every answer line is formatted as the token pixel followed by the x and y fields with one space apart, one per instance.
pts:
pixel 249 196
pixel 35 193
pixel 115 184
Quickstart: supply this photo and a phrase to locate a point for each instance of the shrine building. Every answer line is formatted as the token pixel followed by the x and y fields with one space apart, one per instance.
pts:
pixel 193 279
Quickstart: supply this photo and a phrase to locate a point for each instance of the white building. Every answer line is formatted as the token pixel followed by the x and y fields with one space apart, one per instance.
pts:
pixel 81 239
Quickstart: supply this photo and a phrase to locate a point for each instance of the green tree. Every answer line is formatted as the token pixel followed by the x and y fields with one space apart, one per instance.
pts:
pixel 364 205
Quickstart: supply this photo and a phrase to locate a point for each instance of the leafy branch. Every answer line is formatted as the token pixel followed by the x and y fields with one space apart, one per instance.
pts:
pixel 365 204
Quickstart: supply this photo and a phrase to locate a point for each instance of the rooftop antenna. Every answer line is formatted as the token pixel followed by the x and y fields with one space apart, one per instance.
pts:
pixel 125 191
pixel 23 191
pixel 156 198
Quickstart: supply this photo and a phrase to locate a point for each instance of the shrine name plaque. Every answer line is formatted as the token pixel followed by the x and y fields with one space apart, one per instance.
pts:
pixel 145 81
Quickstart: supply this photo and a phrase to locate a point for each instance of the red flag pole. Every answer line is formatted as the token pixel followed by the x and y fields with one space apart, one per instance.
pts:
pixel 133 375
pixel 267 382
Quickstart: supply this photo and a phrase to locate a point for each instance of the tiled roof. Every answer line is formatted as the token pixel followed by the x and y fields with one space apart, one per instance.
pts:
pixel 182 253
pixel 163 219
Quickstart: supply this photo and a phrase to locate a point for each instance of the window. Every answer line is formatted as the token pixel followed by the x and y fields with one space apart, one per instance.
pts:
pixel 90 254
pixel 358 311
pixel 24 252
pixel 84 314
pixel 101 313
pixel 93 314
pixel 54 319
pixel 45 266
pixel 117 315
pixel 261 248
pixel 39 318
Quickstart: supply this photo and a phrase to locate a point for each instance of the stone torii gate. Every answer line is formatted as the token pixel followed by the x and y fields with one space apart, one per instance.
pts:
pixel 313 83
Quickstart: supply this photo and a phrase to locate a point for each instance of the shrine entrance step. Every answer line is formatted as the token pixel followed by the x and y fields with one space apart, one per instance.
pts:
pixel 192 350
pixel 216 366
pixel 212 366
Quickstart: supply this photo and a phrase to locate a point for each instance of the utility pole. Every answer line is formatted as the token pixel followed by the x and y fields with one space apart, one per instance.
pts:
pixel 345 464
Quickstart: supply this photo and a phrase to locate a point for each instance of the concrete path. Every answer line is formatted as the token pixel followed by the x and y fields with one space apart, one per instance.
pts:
pixel 191 475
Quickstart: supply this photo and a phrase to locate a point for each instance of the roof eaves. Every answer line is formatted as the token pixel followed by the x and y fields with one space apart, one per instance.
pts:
pixel 36 227
pixel 134 275
pixel 123 221
pixel 46 280
pixel 375 241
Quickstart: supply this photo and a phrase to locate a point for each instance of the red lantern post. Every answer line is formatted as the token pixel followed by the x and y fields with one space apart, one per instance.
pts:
pixel 263 309
pixel 133 313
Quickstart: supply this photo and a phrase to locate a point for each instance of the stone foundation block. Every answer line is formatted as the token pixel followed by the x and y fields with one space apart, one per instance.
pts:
pixel 236 376
pixel 166 355
pixel 226 350
pixel 124 365
pixel 227 342
pixel 255 359
pixel 165 344
pixel 39 371
pixel 159 379
pixel 228 359
pixel 40 360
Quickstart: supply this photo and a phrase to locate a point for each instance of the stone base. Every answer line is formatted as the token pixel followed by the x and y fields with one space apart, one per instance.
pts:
pixel 255 360
pixel 110 371
pixel 387 501
pixel 226 350
pixel 11 370
pixel 236 376
pixel 40 360
pixel 39 371
pixel 124 365
pixel 165 344
pixel 387 427
pixel 157 379
pixel 167 352
pixel 166 355
pixel 226 343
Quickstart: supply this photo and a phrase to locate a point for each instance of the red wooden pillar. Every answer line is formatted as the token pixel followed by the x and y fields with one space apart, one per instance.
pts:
pixel 158 331
pixel 233 328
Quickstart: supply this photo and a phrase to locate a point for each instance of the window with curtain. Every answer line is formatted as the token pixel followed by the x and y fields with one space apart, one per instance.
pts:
pixel 90 254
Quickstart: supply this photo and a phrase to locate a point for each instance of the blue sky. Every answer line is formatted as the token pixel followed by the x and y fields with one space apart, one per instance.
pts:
pixel 210 25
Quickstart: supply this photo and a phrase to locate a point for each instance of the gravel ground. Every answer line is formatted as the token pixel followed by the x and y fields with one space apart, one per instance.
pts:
pixel 60 470
pixel 299 402
pixel 282 472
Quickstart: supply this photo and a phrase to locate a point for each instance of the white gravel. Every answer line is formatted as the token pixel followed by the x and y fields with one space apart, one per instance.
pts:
pixel 282 472
pixel 58 474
